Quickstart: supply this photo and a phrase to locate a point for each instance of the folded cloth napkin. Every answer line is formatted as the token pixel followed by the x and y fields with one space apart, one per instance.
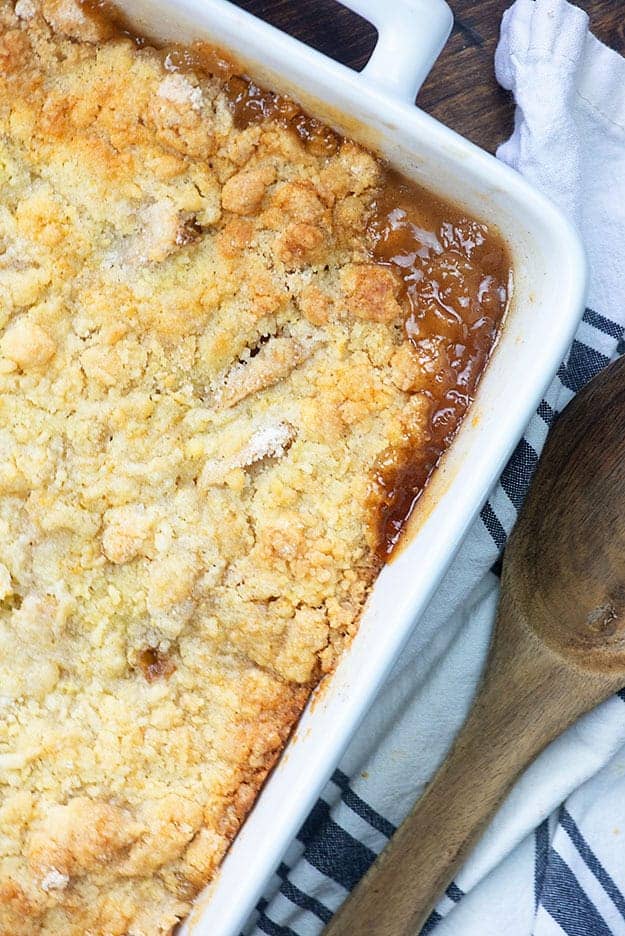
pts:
pixel 553 860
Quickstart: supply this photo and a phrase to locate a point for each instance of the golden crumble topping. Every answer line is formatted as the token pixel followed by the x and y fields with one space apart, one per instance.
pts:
pixel 201 362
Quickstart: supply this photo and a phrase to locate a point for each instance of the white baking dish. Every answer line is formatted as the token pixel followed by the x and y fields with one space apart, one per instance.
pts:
pixel 376 108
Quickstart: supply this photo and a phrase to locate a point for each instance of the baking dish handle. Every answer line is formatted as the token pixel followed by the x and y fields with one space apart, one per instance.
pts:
pixel 411 35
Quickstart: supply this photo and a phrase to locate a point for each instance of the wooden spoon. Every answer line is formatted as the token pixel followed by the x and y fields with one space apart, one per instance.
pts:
pixel 558 650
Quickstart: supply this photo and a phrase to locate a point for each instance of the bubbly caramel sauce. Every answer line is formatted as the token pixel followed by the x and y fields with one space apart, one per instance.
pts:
pixel 455 273
pixel 111 20
pixel 456 281
pixel 252 104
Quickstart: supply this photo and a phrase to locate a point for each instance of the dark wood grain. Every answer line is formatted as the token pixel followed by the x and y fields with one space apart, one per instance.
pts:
pixel 324 24
pixel 461 90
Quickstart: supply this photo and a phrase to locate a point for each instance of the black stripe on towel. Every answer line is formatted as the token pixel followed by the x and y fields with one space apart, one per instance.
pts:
pixel 430 923
pixel 591 861
pixel 332 850
pixel 547 413
pixel 541 857
pixel 454 893
pixel 289 890
pixel 583 363
pixel 566 902
pixel 492 524
pixel 516 476
pixel 603 324
pixel 360 807
pixel 273 929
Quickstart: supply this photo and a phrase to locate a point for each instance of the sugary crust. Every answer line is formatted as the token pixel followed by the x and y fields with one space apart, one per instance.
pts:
pixel 198 367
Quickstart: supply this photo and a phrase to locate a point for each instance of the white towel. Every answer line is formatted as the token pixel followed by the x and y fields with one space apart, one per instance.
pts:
pixel 553 860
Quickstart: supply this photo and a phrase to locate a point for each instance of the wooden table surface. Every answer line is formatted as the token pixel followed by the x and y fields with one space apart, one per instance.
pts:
pixel 461 90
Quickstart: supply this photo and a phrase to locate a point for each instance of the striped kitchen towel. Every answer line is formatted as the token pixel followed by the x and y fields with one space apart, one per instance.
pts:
pixel 553 860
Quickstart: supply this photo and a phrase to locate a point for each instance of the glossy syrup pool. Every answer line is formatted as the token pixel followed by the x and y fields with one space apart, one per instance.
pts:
pixel 456 278
pixel 455 272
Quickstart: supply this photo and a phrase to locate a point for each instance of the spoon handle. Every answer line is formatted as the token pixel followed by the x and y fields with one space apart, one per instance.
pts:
pixel 528 696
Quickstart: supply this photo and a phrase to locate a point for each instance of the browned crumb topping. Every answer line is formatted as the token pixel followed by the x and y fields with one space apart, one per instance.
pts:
pixel 206 363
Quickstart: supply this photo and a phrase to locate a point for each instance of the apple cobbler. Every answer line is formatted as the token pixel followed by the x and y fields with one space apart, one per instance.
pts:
pixel 233 346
